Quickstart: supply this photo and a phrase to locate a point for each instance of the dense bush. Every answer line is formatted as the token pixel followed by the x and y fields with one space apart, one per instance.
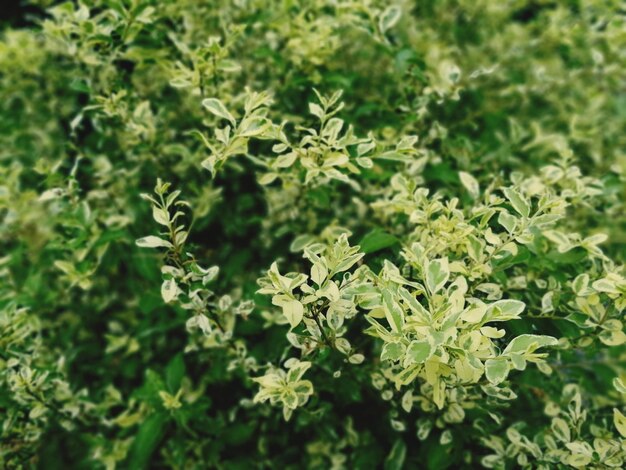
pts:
pixel 313 234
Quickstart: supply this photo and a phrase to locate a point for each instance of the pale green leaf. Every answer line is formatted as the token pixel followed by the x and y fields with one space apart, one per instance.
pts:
pixel 529 343
pixel 418 352
pixel 470 183
pixel 169 290
pixel 437 274
pixel 519 203
pixel 153 242
pixel 294 311
pixel 389 18
pixel 216 107
pixel 497 370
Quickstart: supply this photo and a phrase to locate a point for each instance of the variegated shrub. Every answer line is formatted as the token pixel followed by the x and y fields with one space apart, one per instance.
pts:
pixel 313 234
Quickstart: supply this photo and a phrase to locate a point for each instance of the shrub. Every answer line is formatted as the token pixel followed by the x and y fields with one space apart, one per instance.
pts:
pixel 313 233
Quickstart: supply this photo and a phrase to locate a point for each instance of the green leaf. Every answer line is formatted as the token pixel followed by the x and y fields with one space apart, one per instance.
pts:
pixel 153 242
pixel 289 398
pixel 439 456
pixel 529 343
pixel 161 216
pixel 294 311
pixel 377 240
pixel 419 351
pixel 397 456
pixel 620 422
pixel 507 221
pixel 470 183
pixel 319 273
pixel 393 311
pixel 174 373
pixel 418 310
pixel 619 385
pixel 217 108
pixel 437 274
pixel 389 18
pixel 169 289
pixel 392 352
pixel 561 430
pixel 518 202
pixel 316 110
pixel 580 283
pixel 148 437
pixel 497 370
pixel 504 310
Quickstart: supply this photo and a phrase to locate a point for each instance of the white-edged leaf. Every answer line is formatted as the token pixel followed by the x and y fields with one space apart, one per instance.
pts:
pixel 393 311
pixel 161 216
pixel 437 274
pixel 153 242
pixel 389 18
pixel 519 203
pixel 169 290
pixel 316 110
pixel 504 310
pixel 216 107
pixel 470 183
pixel 294 311
pixel 418 352
pixel 497 370
pixel 620 422
pixel 526 343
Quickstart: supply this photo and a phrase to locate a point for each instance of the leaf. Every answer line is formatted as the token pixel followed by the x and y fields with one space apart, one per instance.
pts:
pixel 318 273
pixel 377 240
pixel 50 194
pixel 297 370
pixel 174 373
pixel 153 242
pixel 561 429
pixel 160 215
pixel 606 286
pixel 470 183
pixel 612 338
pixel 332 129
pixel 507 221
pixel 392 352
pixel 620 422
pixel 419 351
pixel 518 202
pixel 474 315
pixel 438 456
pixel 169 289
pixel 529 343
pixel 497 370
pixel 285 160
pixel 148 437
pixel 216 107
pixel 294 311
pixel 619 385
pixel 316 110
pixel 417 309
pixel 210 275
pixel 397 456
pixel 393 311
pixel 289 398
pixel 253 127
pixel 437 274
pixel 389 18
pixel 504 310
pixel 580 284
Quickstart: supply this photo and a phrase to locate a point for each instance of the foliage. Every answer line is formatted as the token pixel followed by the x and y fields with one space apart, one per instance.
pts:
pixel 382 234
